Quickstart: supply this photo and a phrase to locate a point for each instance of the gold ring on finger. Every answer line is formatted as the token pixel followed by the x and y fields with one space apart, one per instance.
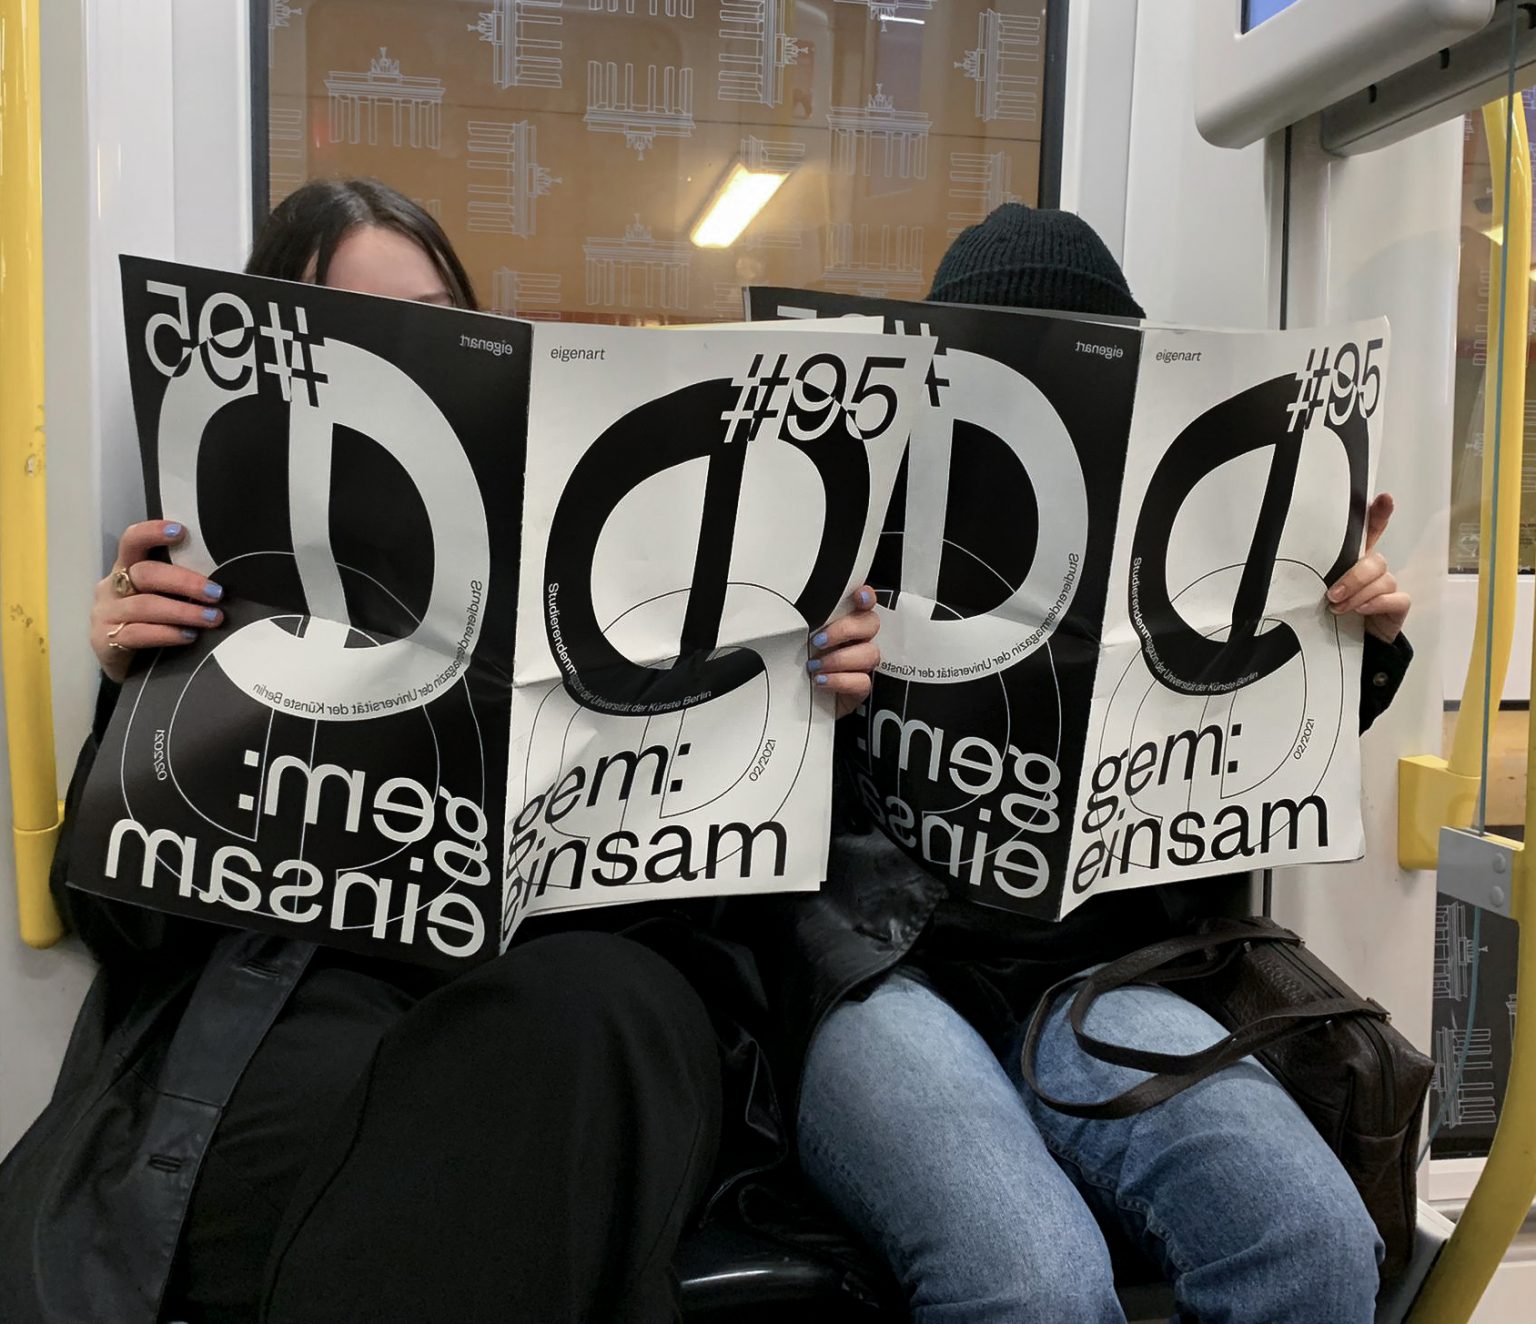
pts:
pixel 122 582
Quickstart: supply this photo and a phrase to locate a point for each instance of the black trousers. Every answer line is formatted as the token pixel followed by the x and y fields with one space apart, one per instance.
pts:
pixel 523 1144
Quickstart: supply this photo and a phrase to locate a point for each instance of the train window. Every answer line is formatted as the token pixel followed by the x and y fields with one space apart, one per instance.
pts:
pixel 641 160
pixel 1474 955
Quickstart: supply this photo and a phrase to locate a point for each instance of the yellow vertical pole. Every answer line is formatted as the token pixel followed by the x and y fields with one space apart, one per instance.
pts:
pixel 1499 558
pixel 23 511
pixel 1434 792
pixel 1507 1188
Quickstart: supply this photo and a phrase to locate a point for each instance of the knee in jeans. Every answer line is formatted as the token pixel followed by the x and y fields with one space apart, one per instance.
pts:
pixel 1327 1233
pixel 1036 1270
pixel 1349 1246
pixel 1084 1297
pixel 1067 1280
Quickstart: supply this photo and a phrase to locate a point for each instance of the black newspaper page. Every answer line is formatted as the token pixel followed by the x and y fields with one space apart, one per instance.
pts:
pixel 331 762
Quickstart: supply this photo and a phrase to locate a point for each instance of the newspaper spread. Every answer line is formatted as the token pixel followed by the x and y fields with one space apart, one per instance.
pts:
pixel 1108 662
pixel 516 617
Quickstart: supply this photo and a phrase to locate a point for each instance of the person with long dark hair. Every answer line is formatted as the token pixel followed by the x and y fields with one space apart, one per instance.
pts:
pixel 248 1128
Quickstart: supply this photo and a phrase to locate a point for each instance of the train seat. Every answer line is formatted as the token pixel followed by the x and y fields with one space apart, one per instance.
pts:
pixel 730 1276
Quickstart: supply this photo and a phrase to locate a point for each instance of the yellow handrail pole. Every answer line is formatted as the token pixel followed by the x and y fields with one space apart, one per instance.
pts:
pixel 1501 556
pixel 1434 792
pixel 23 511
pixel 1507 1188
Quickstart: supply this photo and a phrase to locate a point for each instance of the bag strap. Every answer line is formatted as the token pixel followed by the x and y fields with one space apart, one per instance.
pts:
pixel 1155 1089
pixel 1143 966
pixel 1221 938
pixel 1247 1039
pixel 1174 1072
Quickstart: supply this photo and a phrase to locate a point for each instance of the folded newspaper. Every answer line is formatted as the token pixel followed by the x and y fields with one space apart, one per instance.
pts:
pixel 517 616
pixel 1108 660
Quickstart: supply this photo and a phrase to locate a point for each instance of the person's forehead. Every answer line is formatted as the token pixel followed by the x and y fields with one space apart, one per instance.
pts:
pixel 375 260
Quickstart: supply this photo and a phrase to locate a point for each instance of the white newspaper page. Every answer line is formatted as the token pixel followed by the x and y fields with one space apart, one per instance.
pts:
pixel 1224 724
pixel 696 503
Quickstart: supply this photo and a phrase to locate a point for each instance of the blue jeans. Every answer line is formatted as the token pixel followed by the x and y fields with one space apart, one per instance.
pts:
pixel 988 1205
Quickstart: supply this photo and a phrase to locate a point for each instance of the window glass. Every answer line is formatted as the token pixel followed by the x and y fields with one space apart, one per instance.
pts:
pixel 1474 954
pixel 571 147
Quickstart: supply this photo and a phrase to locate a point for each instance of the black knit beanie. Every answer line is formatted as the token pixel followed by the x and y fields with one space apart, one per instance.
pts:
pixel 1026 257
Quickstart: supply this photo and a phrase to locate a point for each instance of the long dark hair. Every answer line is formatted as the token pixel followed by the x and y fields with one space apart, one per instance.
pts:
pixel 312 221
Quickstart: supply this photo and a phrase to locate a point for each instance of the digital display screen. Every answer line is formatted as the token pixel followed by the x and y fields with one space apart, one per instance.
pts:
pixel 1261 11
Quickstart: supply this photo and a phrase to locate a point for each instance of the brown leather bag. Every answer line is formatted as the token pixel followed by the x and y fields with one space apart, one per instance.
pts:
pixel 1358 1080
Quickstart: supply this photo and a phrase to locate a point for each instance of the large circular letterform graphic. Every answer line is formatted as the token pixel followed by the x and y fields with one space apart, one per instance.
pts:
pixel 680 428
pixel 933 636
pixel 327 666
pixel 1180 656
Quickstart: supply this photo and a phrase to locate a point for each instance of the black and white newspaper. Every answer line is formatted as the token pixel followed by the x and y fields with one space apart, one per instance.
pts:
pixel 1108 661
pixel 446 538
pixel 517 616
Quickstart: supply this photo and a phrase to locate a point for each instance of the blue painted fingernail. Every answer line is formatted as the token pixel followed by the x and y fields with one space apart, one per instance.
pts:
pixel 212 590
pixel 210 614
pixel 866 598
pixel 822 680
pixel 189 635
pixel 173 530
pixel 814 664
pixel 820 640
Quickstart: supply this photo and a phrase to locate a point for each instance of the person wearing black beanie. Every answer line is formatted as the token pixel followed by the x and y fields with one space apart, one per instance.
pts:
pixel 1028 257
pixel 914 1125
